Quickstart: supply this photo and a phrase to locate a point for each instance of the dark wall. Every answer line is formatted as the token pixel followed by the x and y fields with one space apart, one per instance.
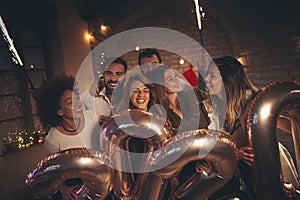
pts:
pixel 264 33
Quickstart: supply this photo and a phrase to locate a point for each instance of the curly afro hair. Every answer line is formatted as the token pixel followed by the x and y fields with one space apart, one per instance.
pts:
pixel 47 98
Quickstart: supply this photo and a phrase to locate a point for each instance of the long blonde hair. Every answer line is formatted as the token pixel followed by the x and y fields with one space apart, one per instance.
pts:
pixel 236 83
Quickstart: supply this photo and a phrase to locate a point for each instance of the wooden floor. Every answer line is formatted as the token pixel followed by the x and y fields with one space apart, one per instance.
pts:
pixel 14 167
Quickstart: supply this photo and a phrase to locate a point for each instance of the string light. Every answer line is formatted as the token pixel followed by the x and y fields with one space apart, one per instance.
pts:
pixel 23 139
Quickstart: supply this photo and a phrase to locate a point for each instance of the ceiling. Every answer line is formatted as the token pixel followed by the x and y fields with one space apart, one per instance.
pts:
pixel 29 12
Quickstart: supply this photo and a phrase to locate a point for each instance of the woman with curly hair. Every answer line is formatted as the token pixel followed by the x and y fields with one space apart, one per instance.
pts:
pixel 60 110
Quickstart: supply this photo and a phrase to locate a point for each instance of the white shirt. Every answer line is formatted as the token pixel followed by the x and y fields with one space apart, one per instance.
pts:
pixel 88 138
pixel 101 105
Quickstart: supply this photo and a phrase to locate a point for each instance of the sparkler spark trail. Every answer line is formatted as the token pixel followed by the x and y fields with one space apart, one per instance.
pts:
pixel 15 56
pixel 199 14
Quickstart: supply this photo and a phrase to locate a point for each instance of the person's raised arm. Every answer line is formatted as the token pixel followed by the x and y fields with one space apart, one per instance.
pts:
pixel 96 87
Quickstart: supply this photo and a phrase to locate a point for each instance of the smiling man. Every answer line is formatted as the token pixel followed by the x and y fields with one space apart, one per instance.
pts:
pixel 115 68
pixel 149 59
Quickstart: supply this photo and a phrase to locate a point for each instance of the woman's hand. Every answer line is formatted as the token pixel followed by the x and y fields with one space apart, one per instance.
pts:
pixel 203 167
pixel 246 154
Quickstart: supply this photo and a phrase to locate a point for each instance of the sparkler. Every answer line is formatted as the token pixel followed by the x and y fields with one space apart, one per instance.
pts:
pixel 11 47
pixel 15 56
pixel 200 15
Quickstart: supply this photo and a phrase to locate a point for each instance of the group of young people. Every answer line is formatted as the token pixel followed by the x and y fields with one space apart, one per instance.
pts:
pixel 74 120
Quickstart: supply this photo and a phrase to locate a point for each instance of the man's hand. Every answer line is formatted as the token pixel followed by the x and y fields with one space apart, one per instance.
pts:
pixel 96 87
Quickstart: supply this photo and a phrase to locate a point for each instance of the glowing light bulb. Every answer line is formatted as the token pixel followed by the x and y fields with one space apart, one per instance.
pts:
pixel 103 27
pixel 88 36
pixel 181 61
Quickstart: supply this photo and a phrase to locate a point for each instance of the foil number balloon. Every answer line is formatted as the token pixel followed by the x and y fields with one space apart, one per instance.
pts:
pixel 263 112
pixel 94 168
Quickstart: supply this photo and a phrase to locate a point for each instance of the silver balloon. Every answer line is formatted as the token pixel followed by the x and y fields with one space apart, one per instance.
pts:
pixel 261 120
pixel 94 168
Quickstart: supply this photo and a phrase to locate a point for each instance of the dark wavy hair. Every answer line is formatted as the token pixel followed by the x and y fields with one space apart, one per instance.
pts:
pixel 47 98
pixel 157 77
pixel 121 95
pixel 117 60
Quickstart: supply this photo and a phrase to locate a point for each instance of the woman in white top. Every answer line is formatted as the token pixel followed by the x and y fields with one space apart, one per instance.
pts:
pixel 60 109
pixel 59 140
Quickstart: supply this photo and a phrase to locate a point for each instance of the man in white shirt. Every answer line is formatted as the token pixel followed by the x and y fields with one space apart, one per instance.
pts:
pixel 115 68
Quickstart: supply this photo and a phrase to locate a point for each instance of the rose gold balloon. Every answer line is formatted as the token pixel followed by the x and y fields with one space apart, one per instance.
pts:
pixel 151 131
pixel 214 147
pixel 262 114
pixel 94 168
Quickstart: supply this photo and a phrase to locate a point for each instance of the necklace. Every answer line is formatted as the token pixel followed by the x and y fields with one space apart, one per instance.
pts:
pixel 71 131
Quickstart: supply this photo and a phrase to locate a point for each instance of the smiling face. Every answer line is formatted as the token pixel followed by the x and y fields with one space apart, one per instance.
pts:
pixel 214 81
pixel 112 74
pixel 172 81
pixel 139 95
pixel 149 63
pixel 70 107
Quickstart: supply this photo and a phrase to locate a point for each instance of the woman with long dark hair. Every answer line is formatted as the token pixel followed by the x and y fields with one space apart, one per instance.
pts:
pixel 183 106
